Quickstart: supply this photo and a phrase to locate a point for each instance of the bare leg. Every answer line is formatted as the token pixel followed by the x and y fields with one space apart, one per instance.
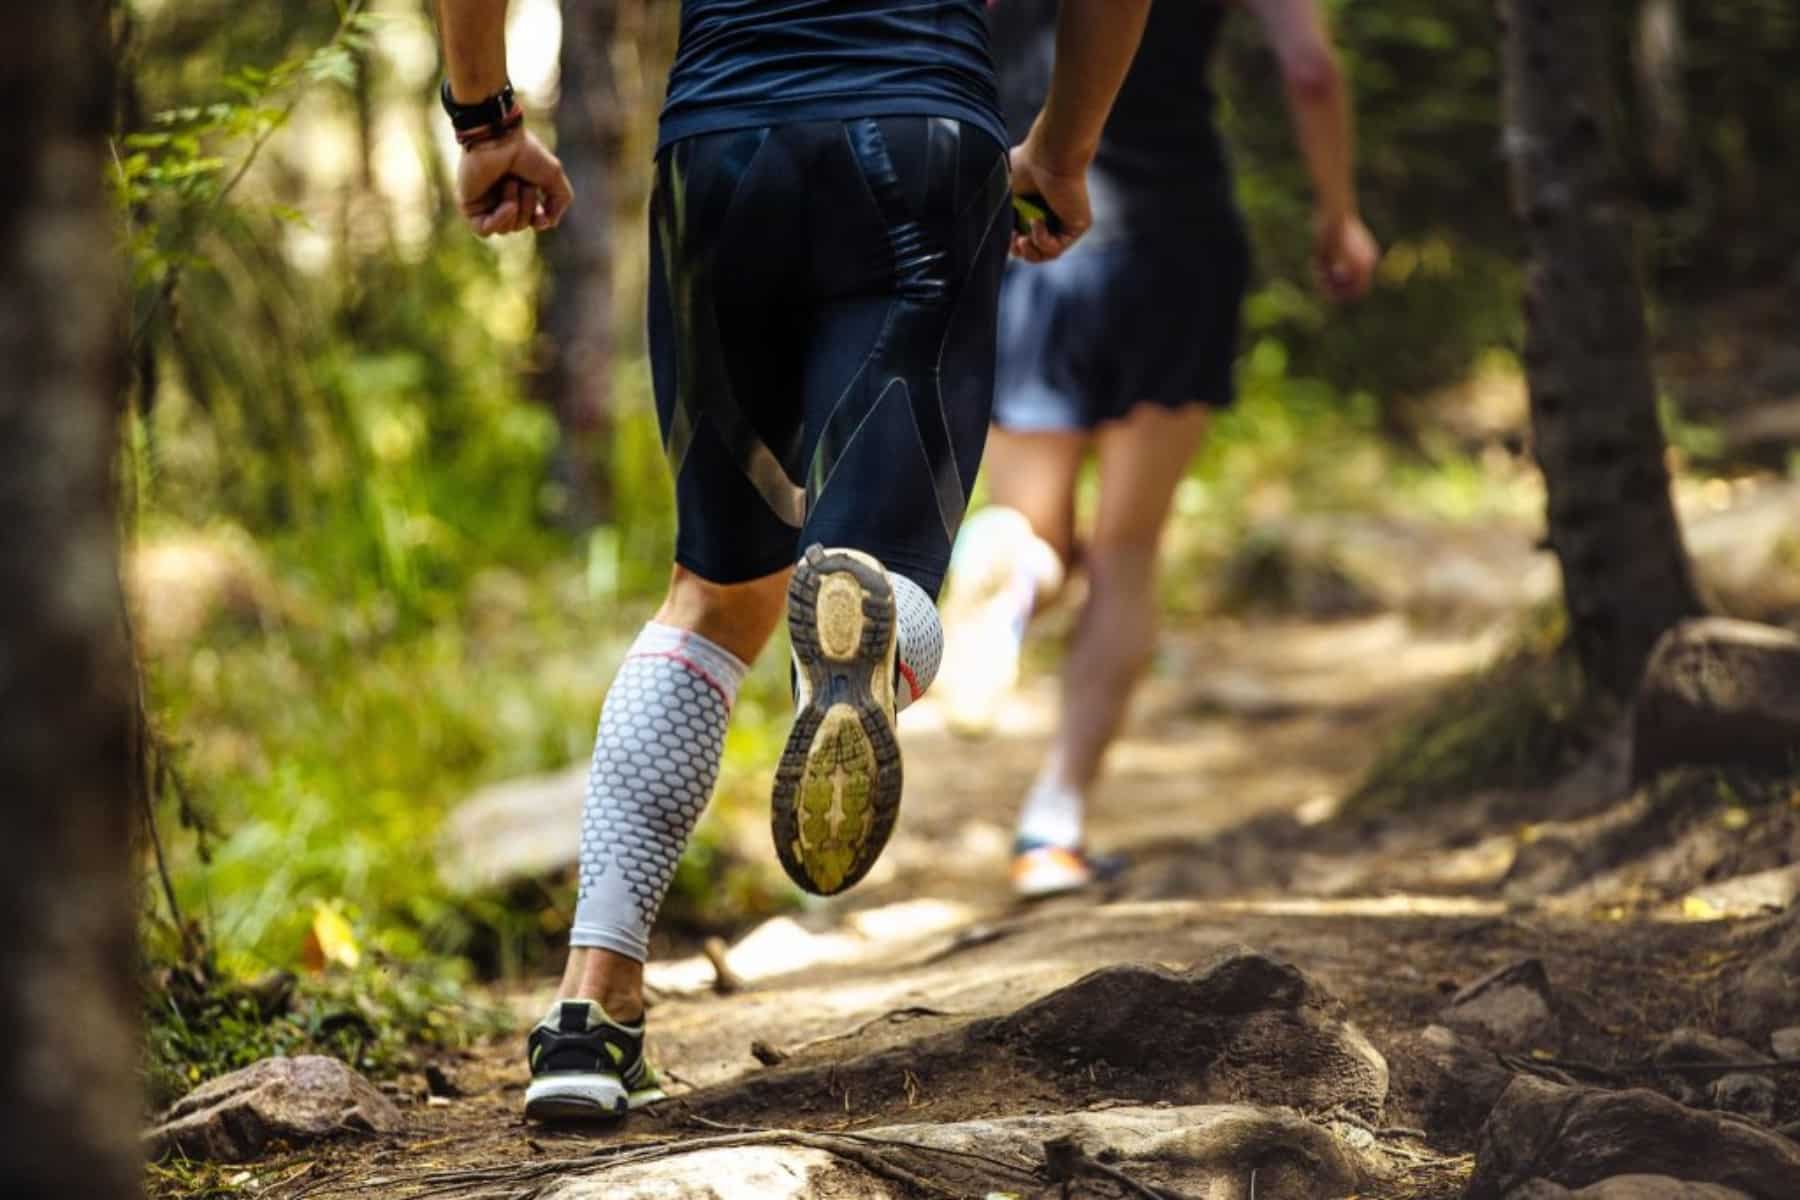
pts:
pixel 1141 459
pixel 738 618
pixel 1034 474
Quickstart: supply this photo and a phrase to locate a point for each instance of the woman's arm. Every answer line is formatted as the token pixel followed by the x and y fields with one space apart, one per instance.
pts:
pixel 1344 252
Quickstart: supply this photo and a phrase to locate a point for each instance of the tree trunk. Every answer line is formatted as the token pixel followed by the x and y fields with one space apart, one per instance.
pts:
pixel 576 318
pixel 69 1078
pixel 1593 395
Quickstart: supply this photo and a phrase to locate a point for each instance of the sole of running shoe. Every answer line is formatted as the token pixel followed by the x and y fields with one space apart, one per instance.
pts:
pixel 837 788
pixel 573 1097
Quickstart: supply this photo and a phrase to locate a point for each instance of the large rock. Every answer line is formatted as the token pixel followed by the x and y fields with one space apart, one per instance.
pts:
pixel 1197 1150
pixel 1445 1082
pixel 1701 1058
pixel 1509 1009
pixel 517 829
pixel 1719 691
pixel 288 1100
pixel 1581 1136
pixel 1241 1029
pixel 1628 1187
pixel 1209 1150
pixel 1245 1027
pixel 1768 994
pixel 1698 1048
pixel 1753 1097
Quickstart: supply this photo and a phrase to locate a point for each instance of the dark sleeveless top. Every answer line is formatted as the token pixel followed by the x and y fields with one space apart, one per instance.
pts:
pixel 747 63
pixel 1161 162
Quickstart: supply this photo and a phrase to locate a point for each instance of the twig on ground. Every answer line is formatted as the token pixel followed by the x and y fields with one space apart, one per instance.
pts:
pixel 1561 1069
pixel 1065 1160
pixel 1558 1070
pixel 1774 1064
pixel 911 1010
pixel 1341 1113
pixel 966 939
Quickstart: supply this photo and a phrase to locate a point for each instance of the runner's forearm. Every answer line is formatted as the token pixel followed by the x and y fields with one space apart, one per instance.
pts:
pixel 1320 105
pixel 1095 42
pixel 474 37
pixel 1318 100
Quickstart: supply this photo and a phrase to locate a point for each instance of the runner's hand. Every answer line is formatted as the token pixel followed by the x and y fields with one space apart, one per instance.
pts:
pixel 1344 257
pixel 511 184
pixel 1063 190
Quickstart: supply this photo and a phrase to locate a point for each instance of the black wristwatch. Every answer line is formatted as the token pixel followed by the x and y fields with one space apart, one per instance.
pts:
pixel 492 111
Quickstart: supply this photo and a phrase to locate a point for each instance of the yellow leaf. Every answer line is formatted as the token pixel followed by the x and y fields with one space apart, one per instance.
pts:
pixel 331 941
pixel 1698 908
pixel 1734 818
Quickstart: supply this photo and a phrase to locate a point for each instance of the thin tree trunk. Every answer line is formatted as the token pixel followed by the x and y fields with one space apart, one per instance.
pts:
pixel 1593 395
pixel 69 1080
pixel 577 314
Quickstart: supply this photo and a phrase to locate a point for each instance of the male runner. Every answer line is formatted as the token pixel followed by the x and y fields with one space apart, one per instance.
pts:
pixel 1118 350
pixel 827 232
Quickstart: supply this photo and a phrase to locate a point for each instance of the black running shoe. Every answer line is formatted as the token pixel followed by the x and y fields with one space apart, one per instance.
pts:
pixel 837 790
pixel 587 1066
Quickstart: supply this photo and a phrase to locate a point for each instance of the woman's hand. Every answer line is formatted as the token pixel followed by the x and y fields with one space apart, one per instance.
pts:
pixel 1344 257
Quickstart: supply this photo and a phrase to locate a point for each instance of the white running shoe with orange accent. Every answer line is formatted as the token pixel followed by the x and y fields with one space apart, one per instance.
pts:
pixel 1040 870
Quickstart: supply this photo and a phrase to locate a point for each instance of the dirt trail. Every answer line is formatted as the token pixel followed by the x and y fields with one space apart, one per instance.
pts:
pixel 928 999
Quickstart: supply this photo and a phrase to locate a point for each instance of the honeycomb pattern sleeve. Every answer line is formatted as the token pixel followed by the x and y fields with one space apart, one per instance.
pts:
pixel 656 757
pixel 921 639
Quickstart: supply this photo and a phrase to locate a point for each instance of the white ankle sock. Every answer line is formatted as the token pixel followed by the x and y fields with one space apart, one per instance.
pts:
pixel 1052 813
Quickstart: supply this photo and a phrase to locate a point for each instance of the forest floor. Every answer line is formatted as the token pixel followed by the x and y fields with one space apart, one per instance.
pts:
pixel 900 1037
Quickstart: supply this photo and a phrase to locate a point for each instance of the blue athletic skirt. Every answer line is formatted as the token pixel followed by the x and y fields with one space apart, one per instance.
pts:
pixel 1117 323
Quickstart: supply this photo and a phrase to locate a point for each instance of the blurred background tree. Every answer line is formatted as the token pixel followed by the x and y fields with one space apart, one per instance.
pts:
pixel 65 676
pixel 576 318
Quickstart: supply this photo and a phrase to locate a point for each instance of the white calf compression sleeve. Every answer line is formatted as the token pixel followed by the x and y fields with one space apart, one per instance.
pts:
pixel 662 731
pixel 921 637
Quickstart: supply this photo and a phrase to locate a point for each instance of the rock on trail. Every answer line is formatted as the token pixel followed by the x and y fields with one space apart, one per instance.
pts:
pixel 1581 1136
pixel 239 1116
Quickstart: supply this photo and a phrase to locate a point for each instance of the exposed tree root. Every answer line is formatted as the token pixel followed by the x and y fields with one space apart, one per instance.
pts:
pixel 523 1181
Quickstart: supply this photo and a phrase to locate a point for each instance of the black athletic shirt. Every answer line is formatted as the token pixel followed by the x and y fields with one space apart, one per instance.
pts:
pixel 746 63
pixel 1161 161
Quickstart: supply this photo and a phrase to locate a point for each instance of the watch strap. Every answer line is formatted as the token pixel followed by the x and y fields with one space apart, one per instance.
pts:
pixel 497 109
